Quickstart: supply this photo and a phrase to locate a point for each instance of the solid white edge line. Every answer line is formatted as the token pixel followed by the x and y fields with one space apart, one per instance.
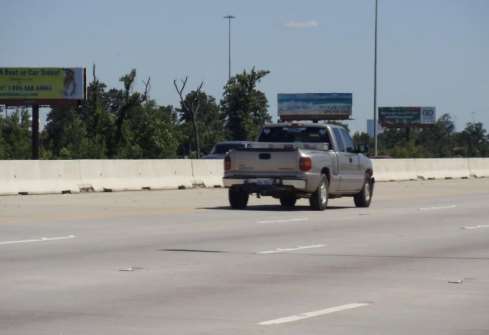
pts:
pixel 42 239
pixel 313 314
pixel 279 250
pixel 284 220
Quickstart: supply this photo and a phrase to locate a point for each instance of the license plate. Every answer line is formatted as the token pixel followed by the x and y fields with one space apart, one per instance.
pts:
pixel 261 181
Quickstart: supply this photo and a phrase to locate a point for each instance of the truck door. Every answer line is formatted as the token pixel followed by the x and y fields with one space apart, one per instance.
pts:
pixel 355 174
pixel 349 162
pixel 342 160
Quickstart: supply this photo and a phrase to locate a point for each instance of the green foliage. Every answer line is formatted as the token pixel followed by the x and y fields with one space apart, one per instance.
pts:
pixel 210 123
pixel 124 123
pixel 150 132
pixel 474 140
pixel 16 136
pixel 439 140
pixel 361 138
pixel 99 122
pixel 408 150
pixel 66 134
pixel 402 143
pixel 112 124
pixel 245 108
pixel 3 145
pixel 126 104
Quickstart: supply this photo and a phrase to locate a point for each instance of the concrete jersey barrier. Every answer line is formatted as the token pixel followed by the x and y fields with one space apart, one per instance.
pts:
pixel 36 177
pixel 132 175
pixel 478 167
pixel 72 176
pixel 429 168
pixel 394 169
pixel 442 168
pixel 207 172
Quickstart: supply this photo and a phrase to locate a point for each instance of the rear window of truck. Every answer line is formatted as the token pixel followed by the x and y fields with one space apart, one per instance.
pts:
pixel 294 134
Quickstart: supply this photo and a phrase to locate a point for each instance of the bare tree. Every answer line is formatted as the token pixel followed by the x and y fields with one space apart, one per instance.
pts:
pixel 147 88
pixel 192 108
pixel 95 85
pixel 130 100
pixel 93 72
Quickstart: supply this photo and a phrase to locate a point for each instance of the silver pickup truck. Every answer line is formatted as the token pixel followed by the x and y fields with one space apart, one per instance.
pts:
pixel 299 160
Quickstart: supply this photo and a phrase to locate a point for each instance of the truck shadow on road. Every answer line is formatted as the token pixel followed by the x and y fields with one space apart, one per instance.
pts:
pixel 274 208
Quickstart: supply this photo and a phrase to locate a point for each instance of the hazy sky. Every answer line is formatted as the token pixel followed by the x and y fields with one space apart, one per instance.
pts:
pixel 431 52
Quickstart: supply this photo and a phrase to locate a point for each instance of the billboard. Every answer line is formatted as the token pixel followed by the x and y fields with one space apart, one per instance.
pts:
pixel 315 106
pixel 42 85
pixel 407 116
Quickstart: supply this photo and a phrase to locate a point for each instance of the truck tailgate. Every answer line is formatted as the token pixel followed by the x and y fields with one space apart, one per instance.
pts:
pixel 273 161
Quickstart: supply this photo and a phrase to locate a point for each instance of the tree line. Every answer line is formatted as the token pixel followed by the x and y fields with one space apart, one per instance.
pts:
pixel 437 141
pixel 127 124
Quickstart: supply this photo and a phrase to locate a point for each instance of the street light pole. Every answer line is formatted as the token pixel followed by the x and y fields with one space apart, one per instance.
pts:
pixel 229 18
pixel 375 84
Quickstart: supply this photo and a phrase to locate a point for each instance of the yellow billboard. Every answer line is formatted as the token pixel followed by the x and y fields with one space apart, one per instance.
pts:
pixel 41 84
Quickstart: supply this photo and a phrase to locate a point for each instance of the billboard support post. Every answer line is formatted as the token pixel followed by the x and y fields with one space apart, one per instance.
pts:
pixel 35 131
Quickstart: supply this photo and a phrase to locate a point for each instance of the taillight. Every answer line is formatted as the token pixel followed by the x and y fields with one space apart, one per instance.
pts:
pixel 227 163
pixel 305 163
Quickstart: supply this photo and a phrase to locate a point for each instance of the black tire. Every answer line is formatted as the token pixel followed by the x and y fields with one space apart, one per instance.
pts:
pixel 288 201
pixel 364 197
pixel 319 199
pixel 238 198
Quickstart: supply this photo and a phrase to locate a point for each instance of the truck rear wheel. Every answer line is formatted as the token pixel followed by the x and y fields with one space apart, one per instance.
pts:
pixel 364 197
pixel 288 201
pixel 238 198
pixel 319 199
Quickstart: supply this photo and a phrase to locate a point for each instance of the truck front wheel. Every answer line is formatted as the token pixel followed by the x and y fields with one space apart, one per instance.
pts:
pixel 238 198
pixel 319 199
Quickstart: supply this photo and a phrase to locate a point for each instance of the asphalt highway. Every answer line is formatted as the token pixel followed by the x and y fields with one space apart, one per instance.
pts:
pixel 182 262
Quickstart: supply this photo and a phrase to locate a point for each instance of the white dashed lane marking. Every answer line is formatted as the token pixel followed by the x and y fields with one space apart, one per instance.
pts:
pixel 284 220
pixel 477 227
pixel 279 250
pixel 437 208
pixel 42 239
pixel 308 315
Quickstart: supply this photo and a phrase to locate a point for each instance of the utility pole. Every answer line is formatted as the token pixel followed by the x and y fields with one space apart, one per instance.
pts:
pixel 375 84
pixel 229 18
